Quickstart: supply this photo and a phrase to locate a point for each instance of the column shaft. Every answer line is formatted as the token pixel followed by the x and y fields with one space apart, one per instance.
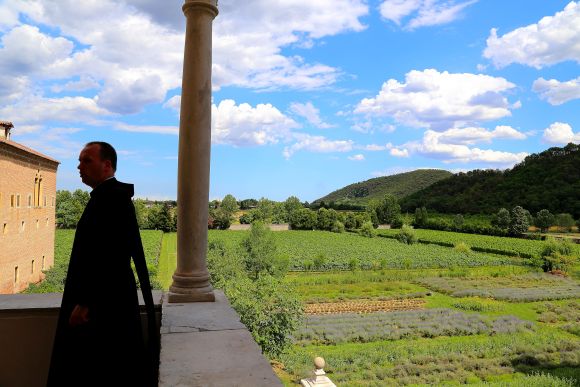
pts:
pixel 191 278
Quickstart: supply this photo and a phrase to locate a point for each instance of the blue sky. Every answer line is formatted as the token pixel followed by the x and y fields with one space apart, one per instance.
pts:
pixel 308 96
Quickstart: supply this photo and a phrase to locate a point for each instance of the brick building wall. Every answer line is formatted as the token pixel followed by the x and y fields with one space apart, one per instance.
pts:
pixel 27 215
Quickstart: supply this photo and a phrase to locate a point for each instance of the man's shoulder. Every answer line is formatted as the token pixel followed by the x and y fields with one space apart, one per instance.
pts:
pixel 114 188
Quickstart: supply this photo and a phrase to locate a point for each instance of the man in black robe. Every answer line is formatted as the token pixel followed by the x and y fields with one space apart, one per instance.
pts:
pixel 99 339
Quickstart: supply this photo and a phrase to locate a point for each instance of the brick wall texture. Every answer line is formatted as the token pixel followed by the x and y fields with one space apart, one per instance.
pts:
pixel 27 220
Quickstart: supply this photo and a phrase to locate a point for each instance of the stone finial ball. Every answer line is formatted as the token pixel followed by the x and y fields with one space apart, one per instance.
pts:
pixel 319 363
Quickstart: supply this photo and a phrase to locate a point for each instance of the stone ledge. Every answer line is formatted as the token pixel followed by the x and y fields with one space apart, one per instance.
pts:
pixel 204 344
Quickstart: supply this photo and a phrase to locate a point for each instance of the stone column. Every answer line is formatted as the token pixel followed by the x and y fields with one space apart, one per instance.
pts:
pixel 191 278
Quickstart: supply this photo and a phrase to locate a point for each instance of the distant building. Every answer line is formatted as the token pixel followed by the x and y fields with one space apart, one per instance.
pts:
pixel 27 213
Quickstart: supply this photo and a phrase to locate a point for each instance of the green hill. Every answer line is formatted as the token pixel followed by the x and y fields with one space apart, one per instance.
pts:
pixel 550 179
pixel 400 185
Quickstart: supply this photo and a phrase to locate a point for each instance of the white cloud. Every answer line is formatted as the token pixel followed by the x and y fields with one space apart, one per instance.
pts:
pixel 248 54
pixel 38 110
pixel 422 13
pixel 173 103
pixel 472 135
pixel 359 157
pixel 84 83
pixel 160 129
pixel 310 113
pixel 25 50
pixel 433 145
pixel 439 100
pixel 396 152
pixel 318 144
pixel 375 147
pixel 560 133
pixel 557 92
pixel 244 125
pixel 135 47
pixel 552 40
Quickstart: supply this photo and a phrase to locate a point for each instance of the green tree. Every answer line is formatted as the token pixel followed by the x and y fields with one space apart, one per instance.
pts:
pixel 387 209
pixel 70 207
pixel 326 219
pixel 368 230
pixel 229 204
pixel 221 219
pixel 303 219
pixel 260 253
pixel 407 235
pixel 519 223
pixel 140 212
pixel 458 221
pixel 502 219
pixel 292 204
pixel 270 309
pixel 544 220
pixel 564 221
pixel 421 216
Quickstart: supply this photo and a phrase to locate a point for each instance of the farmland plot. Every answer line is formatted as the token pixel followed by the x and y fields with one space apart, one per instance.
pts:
pixel 523 288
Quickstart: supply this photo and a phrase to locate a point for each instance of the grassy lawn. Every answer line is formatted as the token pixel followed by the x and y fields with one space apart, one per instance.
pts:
pixel 167 260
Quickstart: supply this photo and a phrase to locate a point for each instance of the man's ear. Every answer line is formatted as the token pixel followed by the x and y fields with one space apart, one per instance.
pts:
pixel 108 164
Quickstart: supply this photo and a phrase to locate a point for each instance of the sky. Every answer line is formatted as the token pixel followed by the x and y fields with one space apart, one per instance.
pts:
pixel 308 96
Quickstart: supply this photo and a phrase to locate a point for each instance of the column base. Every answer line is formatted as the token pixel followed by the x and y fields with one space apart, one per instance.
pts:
pixel 190 288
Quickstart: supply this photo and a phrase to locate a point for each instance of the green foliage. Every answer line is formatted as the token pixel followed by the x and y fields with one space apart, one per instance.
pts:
pixel 462 247
pixel 229 204
pixel 557 255
pixel 303 219
pixel 260 253
pixel 247 218
pixel 406 235
pixel 367 230
pixel 292 204
pixel 399 185
pixel 458 221
pixel 544 220
pixel 387 209
pixel 326 219
pixel 246 204
pixel 502 219
pixel 70 207
pixel 319 261
pixel 220 219
pixel 268 307
pixel 353 264
pixel 564 221
pixel 550 180
pixel 421 216
pixel 519 222
pixel 337 226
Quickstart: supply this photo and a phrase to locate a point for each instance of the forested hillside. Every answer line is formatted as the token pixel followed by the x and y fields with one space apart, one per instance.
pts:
pixel 550 180
pixel 400 185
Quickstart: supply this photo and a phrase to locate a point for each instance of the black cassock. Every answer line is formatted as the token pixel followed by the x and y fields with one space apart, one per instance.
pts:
pixel 109 349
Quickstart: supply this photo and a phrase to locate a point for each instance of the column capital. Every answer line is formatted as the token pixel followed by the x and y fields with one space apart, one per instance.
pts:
pixel 207 5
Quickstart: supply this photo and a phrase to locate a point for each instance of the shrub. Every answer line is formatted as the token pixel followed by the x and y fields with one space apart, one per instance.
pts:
pixel 368 230
pixel 337 227
pixel 556 255
pixel 407 235
pixel 353 264
pixel 260 253
pixel 319 261
pixel 462 247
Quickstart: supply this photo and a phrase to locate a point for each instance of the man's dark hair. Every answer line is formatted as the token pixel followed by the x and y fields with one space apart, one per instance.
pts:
pixel 107 152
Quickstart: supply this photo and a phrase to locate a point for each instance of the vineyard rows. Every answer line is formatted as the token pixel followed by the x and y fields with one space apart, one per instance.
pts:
pixel 343 251
pixel 483 243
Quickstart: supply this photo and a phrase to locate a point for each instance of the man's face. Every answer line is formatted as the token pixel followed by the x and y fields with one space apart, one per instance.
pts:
pixel 93 169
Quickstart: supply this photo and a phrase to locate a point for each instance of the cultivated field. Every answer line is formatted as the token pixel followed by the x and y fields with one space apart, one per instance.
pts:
pixel 383 313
